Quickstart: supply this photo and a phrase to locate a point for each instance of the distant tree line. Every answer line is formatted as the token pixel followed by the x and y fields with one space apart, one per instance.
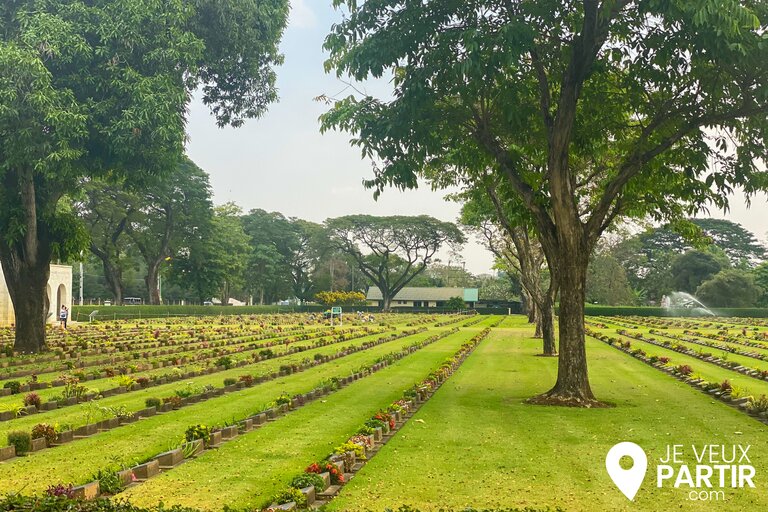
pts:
pixel 168 242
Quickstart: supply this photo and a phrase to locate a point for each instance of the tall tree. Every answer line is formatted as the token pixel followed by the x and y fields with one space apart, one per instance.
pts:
pixel 587 111
pixel 106 209
pixel 172 210
pixel 694 267
pixel 506 233
pixel 391 251
pixel 731 288
pixel 101 89
pixel 233 251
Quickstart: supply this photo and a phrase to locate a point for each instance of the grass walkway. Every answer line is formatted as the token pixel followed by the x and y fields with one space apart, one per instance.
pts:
pixel 479 445
pixel 131 444
pixel 251 469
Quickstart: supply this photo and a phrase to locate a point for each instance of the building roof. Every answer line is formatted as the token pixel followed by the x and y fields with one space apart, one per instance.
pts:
pixel 427 294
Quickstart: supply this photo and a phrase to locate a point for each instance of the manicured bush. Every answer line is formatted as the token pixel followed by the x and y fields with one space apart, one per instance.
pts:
pixel 13 385
pixel 152 402
pixel 21 440
pixel 230 381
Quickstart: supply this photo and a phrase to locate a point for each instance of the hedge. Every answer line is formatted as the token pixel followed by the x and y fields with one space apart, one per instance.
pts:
pixel 593 310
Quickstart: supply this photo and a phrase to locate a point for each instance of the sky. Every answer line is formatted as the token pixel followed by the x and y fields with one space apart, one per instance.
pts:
pixel 281 162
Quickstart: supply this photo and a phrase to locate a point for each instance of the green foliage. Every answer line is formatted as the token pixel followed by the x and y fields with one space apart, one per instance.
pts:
pixel 395 249
pixel 225 361
pixel 13 385
pixel 455 303
pixel 729 289
pixel 16 501
pixel 109 481
pixel 290 495
pixel 21 440
pixel 152 402
pixel 308 479
pixel 691 269
pixel 198 432
pixel 44 431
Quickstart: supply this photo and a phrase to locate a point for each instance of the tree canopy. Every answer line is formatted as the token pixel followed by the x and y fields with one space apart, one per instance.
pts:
pixel 100 89
pixel 391 251
pixel 585 111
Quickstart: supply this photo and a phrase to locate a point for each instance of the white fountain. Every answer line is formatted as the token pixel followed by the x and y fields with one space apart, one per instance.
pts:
pixel 677 301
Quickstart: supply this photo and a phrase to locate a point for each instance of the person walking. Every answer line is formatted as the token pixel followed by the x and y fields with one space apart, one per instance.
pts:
pixel 63 317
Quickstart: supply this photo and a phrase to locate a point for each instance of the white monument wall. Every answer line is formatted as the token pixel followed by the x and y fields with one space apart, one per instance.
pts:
pixel 59 292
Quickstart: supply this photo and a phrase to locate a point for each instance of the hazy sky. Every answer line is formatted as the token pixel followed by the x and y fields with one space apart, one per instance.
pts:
pixel 282 163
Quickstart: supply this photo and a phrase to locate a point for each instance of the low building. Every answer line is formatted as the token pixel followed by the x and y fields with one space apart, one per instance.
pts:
pixel 59 293
pixel 421 298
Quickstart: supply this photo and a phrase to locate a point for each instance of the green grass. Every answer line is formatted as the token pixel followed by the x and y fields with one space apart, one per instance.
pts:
pixel 480 445
pixel 248 471
pixel 706 370
pixel 136 442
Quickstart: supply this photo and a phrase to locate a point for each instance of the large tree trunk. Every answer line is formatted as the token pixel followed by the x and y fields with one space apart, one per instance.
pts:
pixel 386 301
pixel 538 318
pixel 572 387
pixel 153 270
pixel 27 266
pixel 27 283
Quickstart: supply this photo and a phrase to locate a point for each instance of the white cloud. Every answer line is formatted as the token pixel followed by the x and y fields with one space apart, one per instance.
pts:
pixel 302 15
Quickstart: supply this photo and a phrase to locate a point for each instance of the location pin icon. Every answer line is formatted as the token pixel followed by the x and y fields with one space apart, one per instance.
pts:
pixel 627 480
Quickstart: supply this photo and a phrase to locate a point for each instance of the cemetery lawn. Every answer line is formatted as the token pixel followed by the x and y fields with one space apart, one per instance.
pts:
pixel 475 443
pixel 138 442
pixel 248 471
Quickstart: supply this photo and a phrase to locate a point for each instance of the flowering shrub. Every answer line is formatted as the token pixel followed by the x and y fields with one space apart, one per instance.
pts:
pixel 684 369
pixel 349 446
pixel 337 477
pixel 247 379
pixel 385 417
pixel 33 399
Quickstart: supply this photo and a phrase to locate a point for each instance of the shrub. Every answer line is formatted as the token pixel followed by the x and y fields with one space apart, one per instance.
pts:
pixel 283 399
pixel 225 361
pixel 152 402
pixel 291 495
pixel 174 400
pixel 230 381
pixel 33 399
pixel 247 379
pixel 358 450
pixel 109 481
pixel 308 479
pixel 45 431
pixel 61 491
pixel 266 353
pixel 337 477
pixel 198 432
pixel 725 385
pixel 684 369
pixel 14 386
pixel 758 405
pixel 21 440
